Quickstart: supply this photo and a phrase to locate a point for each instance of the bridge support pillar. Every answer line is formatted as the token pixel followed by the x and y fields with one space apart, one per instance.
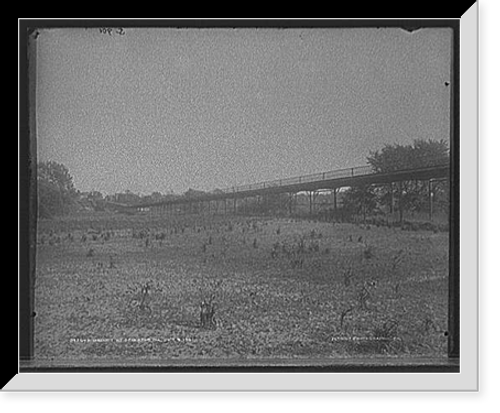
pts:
pixel 400 190
pixel 364 189
pixel 312 198
pixel 391 205
pixel 430 199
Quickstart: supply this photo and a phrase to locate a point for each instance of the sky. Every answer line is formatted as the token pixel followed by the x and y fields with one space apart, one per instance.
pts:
pixel 167 109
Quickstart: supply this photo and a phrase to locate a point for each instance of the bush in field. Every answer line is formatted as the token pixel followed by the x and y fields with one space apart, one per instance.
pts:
pixel 359 200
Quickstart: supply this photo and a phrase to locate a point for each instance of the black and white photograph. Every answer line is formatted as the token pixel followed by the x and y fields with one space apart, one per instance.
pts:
pixel 251 197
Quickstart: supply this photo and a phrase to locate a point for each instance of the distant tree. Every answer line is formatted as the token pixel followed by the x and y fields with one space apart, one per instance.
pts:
pixel 156 196
pixel 96 199
pixel 127 197
pixel 153 197
pixel 56 192
pixel 49 200
pixel 95 196
pixel 409 195
pixel 421 153
pixel 192 193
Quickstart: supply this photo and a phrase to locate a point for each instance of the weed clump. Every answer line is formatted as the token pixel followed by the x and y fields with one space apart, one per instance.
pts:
pixel 207 307
pixel 298 262
pixel 368 252
pixel 207 315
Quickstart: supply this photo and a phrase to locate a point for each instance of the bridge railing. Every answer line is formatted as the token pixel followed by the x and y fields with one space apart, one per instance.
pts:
pixel 321 176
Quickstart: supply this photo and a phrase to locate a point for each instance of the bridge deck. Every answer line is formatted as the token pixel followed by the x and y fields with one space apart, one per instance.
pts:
pixel 325 180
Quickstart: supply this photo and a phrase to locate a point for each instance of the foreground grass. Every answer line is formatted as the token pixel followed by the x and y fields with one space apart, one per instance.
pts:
pixel 118 287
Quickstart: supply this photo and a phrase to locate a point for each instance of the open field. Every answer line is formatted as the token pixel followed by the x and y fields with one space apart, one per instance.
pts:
pixel 117 287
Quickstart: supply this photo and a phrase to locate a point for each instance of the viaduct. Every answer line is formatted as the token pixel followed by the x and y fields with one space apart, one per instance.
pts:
pixel 233 199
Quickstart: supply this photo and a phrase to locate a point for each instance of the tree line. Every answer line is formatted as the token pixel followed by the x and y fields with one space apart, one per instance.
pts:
pixel 57 194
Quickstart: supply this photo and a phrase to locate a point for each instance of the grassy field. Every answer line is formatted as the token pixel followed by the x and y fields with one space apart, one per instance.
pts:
pixel 116 287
